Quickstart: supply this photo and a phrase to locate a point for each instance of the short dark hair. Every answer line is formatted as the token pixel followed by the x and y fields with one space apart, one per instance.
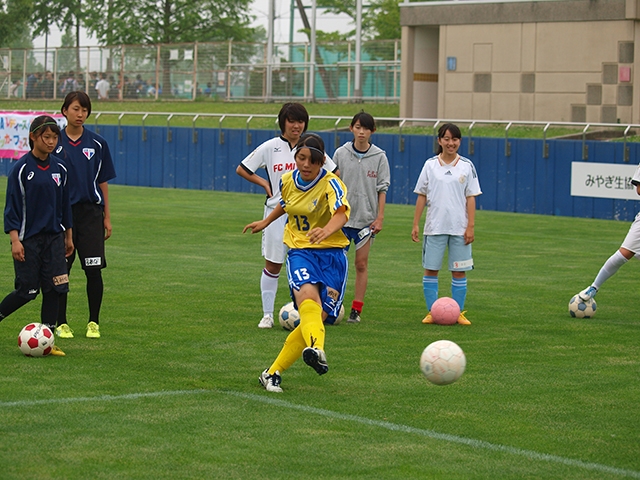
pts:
pixel 453 129
pixel 294 112
pixel 366 120
pixel 315 144
pixel 82 98
pixel 40 125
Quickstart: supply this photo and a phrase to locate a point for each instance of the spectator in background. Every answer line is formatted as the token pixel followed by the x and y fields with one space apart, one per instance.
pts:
pixel 102 87
pixel 47 85
pixel 114 90
pixel 14 89
pixel 81 86
pixel 32 81
pixel 70 84
pixel 93 81
pixel 128 89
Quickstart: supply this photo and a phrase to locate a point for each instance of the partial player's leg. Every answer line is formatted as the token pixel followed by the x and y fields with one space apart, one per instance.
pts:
pixel 630 245
pixel 460 261
pixel 274 253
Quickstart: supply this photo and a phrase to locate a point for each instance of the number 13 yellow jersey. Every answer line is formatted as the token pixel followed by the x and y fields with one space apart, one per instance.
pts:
pixel 311 205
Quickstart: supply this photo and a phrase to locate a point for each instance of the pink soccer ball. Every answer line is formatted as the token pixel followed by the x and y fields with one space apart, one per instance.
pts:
pixel 445 311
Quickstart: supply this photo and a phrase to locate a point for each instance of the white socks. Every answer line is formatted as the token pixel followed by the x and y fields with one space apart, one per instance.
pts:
pixel 269 288
pixel 610 267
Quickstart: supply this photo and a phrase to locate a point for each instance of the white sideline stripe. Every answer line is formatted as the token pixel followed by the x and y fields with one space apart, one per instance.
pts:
pixel 480 444
pixel 104 398
pixel 530 454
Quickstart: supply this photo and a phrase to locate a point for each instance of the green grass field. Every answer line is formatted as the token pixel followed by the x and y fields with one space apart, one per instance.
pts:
pixel 171 391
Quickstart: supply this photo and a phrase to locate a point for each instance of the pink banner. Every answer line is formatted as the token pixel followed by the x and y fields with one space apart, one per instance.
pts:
pixel 14 131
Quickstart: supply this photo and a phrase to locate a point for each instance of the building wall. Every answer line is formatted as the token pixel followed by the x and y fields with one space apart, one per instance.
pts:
pixel 559 69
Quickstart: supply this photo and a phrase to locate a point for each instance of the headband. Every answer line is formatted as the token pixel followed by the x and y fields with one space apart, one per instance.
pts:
pixel 45 124
pixel 310 148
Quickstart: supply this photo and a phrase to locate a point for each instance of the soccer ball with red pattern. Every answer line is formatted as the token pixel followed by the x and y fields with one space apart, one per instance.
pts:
pixel 36 340
pixel 443 362
pixel 445 311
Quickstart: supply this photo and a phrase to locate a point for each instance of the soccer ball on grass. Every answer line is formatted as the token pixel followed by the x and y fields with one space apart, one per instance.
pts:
pixel 36 340
pixel 578 308
pixel 289 317
pixel 443 362
pixel 445 311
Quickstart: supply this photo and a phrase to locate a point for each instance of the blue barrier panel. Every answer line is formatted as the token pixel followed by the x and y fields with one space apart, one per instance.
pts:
pixel 522 181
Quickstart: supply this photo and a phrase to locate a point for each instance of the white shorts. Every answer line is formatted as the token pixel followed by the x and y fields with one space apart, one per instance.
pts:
pixel 273 248
pixel 434 246
pixel 632 240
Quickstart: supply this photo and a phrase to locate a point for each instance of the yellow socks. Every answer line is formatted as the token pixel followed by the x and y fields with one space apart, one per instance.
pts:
pixel 311 324
pixel 310 333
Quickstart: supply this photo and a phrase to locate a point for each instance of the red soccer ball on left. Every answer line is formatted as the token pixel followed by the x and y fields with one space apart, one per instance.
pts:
pixel 36 340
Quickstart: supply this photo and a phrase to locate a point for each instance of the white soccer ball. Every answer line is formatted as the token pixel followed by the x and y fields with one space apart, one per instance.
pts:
pixel 36 340
pixel 289 317
pixel 443 362
pixel 578 308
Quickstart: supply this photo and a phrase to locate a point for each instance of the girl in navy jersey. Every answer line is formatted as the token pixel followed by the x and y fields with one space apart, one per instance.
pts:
pixel 37 217
pixel 88 159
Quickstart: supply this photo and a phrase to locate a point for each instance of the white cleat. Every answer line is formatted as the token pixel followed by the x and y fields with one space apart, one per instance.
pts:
pixel 266 322
pixel 271 383
pixel 588 293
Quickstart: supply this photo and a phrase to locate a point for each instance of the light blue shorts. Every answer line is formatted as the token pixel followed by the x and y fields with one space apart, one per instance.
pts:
pixel 433 247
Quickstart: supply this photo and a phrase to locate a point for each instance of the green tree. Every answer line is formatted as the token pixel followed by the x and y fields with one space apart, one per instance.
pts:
pixel 14 23
pixel 380 18
pixel 168 22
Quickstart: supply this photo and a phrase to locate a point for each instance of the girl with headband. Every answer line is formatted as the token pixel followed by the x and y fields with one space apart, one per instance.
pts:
pixel 37 217
pixel 315 202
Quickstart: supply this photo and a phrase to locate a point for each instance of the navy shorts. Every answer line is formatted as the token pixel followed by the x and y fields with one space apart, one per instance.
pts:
pixel 326 267
pixel 360 236
pixel 88 236
pixel 44 266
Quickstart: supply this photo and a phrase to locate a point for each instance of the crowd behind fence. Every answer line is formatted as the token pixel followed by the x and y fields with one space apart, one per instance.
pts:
pixel 223 70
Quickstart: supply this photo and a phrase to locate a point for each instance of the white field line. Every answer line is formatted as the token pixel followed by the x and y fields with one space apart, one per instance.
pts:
pixel 271 400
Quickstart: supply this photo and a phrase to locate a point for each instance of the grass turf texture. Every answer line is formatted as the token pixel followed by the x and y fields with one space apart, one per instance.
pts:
pixel 171 390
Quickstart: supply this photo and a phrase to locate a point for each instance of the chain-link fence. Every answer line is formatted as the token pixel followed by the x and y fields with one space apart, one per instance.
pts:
pixel 224 70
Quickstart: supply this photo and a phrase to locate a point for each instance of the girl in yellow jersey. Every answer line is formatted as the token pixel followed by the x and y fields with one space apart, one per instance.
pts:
pixel 315 202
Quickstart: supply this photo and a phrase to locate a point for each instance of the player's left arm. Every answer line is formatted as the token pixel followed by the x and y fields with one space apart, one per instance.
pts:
pixel 469 236
pixel 376 226
pixel 104 186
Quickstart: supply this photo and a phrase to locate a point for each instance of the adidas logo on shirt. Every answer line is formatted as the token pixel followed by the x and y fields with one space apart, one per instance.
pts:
pixel 448 172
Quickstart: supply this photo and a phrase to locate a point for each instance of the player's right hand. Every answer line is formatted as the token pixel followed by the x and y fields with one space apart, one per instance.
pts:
pixel 17 251
pixel 255 227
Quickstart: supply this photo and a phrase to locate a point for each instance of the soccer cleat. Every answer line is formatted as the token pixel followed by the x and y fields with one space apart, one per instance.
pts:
pixel 93 330
pixel 266 322
pixel 271 383
pixel 588 293
pixel 316 359
pixel 56 352
pixel 462 320
pixel 64 331
pixel 428 319
pixel 354 317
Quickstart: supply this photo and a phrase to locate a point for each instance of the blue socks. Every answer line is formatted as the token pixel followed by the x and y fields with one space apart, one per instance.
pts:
pixel 459 291
pixel 430 289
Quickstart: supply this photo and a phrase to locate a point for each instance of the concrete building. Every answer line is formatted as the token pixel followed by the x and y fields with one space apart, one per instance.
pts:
pixel 540 60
